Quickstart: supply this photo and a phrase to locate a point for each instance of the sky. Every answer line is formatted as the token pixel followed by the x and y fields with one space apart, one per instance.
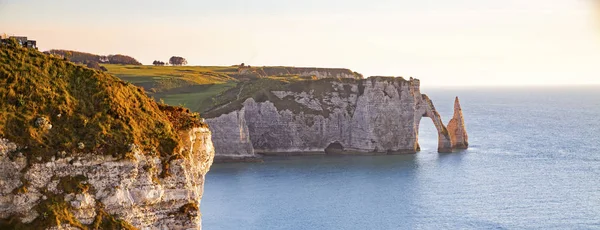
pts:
pixel 443 43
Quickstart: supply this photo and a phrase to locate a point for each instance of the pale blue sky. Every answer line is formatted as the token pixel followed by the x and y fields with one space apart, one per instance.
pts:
pixel 444 43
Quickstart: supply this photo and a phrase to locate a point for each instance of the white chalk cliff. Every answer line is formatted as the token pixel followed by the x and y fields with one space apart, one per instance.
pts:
pixel 81 149
pixel 377 115
pixel 93 186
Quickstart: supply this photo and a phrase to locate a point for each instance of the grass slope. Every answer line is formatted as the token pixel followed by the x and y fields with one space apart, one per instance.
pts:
pixel 187 86
pixel 83 105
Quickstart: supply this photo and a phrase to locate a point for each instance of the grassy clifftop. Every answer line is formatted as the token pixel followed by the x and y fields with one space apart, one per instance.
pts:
pixel 49 105
pixel 188 86
pixel 202 87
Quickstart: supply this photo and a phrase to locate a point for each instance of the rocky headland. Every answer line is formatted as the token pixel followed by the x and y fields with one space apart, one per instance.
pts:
pixel 377 115
pixel 81 149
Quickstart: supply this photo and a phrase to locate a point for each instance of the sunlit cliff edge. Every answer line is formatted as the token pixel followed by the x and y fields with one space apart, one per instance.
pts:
pixel 81 149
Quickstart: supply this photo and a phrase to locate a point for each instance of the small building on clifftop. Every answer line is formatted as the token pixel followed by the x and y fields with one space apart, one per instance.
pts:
pixel 23 41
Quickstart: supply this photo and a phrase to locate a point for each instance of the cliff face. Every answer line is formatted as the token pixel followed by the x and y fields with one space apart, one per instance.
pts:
pixel 378 115
pixel 232 136
pixel 84 190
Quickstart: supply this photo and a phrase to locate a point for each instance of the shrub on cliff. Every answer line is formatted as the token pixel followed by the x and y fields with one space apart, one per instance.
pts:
pixel 122 59
pixel 81 105
pixel 95 65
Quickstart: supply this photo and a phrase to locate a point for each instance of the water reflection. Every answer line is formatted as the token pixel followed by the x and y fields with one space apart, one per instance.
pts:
pixel 321 191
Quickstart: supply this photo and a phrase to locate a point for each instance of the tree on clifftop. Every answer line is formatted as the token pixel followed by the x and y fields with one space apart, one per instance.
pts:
pixel 177 61
pixel 122 59
pixel 158 63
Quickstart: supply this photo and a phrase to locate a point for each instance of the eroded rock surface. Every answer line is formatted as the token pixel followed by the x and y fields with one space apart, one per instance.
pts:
pixel 378 115
pixel 456 128
pixel 87 185
pixel 230 133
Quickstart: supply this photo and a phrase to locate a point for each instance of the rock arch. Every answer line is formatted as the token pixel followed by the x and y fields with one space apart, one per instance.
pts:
pixel 452 137
pixel 444 142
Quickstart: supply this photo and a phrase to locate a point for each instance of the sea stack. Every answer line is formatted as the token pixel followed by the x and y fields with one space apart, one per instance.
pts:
pixel 456 128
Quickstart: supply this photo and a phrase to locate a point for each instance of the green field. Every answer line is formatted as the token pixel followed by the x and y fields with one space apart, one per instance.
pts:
pixel 189 86
pixel 210 90
pixel 193 74
pixel 197 101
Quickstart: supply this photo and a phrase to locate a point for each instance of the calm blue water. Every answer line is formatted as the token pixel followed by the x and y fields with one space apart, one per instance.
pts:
pixel 534 163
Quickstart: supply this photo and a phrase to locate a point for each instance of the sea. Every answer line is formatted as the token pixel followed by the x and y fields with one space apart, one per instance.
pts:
pixel 533 163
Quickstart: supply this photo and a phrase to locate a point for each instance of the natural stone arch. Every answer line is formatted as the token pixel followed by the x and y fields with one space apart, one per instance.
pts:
pixel 444 143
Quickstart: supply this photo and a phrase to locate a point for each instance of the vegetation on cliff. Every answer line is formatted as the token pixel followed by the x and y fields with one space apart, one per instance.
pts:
pixel 201 88
pixel 48 105
pixel 233 98
pixel 261 90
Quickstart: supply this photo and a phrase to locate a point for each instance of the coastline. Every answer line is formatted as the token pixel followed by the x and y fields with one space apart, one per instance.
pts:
pixel 259 158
